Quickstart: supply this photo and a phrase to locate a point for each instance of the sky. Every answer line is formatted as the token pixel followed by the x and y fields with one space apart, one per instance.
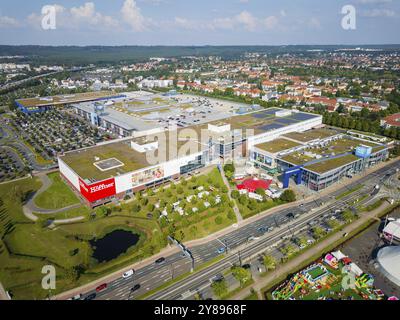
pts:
pixel 199 22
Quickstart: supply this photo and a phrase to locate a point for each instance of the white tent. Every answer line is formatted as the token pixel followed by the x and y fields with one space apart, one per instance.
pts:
pixel 392 230
pixel 389 262
pixel 339 255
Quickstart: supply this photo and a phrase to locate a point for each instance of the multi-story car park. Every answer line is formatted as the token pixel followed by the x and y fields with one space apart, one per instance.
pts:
pixel 115 169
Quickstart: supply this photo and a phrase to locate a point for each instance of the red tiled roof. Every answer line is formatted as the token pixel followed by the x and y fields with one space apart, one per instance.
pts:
pixel 393 120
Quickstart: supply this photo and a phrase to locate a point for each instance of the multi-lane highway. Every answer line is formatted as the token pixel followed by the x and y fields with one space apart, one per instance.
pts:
pixel 153 276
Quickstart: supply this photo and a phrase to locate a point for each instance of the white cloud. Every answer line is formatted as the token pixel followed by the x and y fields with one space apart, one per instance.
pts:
pixel 247 19
pixel 8 22
pixel 244 20
pixel 132 15
pixel 378 13
pixel 271 22
pixel 87 14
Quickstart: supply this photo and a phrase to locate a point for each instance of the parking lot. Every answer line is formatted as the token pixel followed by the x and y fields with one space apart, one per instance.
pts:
pixel 54 131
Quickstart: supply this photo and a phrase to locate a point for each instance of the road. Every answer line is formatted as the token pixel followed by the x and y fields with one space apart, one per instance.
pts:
pixel 153 276
pixel 15 84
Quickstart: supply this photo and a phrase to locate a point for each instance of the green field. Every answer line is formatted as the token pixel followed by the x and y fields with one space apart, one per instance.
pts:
pixel 26 246
pixel 58 195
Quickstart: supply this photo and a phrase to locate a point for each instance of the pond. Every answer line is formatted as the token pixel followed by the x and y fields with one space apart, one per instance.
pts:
pixel 113 244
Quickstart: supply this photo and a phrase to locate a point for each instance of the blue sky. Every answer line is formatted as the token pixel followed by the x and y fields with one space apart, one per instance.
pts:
pixel 195 22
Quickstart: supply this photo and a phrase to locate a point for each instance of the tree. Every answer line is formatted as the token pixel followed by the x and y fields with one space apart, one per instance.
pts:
pixel 269 262
pixel 218 220
pixel 220 288
pixel 318 232
pixel 288 250
pixel 260 192
pixel 235 194
pixel 241 274
pixel 288 196
pixel 347 216
pixel 135 208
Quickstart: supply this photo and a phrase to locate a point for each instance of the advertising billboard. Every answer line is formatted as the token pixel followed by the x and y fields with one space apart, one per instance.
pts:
pixel 97 191
pixel 147 176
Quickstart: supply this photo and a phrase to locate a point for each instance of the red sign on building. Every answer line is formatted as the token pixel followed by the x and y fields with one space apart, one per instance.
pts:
pixel 98 191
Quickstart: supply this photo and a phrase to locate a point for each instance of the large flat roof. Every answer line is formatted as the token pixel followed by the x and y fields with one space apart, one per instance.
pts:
pixel 83 161
pixel 64 99
pixel 321 159
pixel 277 145
pixel 311 135
pixel 263 121
pixel 124 120
pixel 331 164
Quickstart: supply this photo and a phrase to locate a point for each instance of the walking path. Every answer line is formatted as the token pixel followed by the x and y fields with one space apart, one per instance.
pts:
pixel 239 217
pixel 30 207
pixel 293 264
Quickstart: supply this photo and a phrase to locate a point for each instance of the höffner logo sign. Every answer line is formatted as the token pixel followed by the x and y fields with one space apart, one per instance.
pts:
pixel 101 187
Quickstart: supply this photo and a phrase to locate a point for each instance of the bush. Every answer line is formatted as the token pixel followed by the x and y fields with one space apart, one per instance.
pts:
pixel 219 220
pixel 235 194
pixel 288 196
pixel 135 208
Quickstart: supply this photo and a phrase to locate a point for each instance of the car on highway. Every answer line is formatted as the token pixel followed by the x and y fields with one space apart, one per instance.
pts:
pixel 217 278
pixel 136 287
pixel 91 296
pixel 160 260
pixel 290 215
pixel 101 287
pixel 128 274
pixel 252 238
pixel 262 230
pixel 221 250
pixel 77 297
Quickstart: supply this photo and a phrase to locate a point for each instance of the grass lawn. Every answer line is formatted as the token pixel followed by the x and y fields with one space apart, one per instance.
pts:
pixel 57 196
pixel 27 246
pixel 252 296
pixel 192 225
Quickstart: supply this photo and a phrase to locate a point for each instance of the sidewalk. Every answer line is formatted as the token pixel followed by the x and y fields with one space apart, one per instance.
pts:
pixel 171 250
pixel 293 264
